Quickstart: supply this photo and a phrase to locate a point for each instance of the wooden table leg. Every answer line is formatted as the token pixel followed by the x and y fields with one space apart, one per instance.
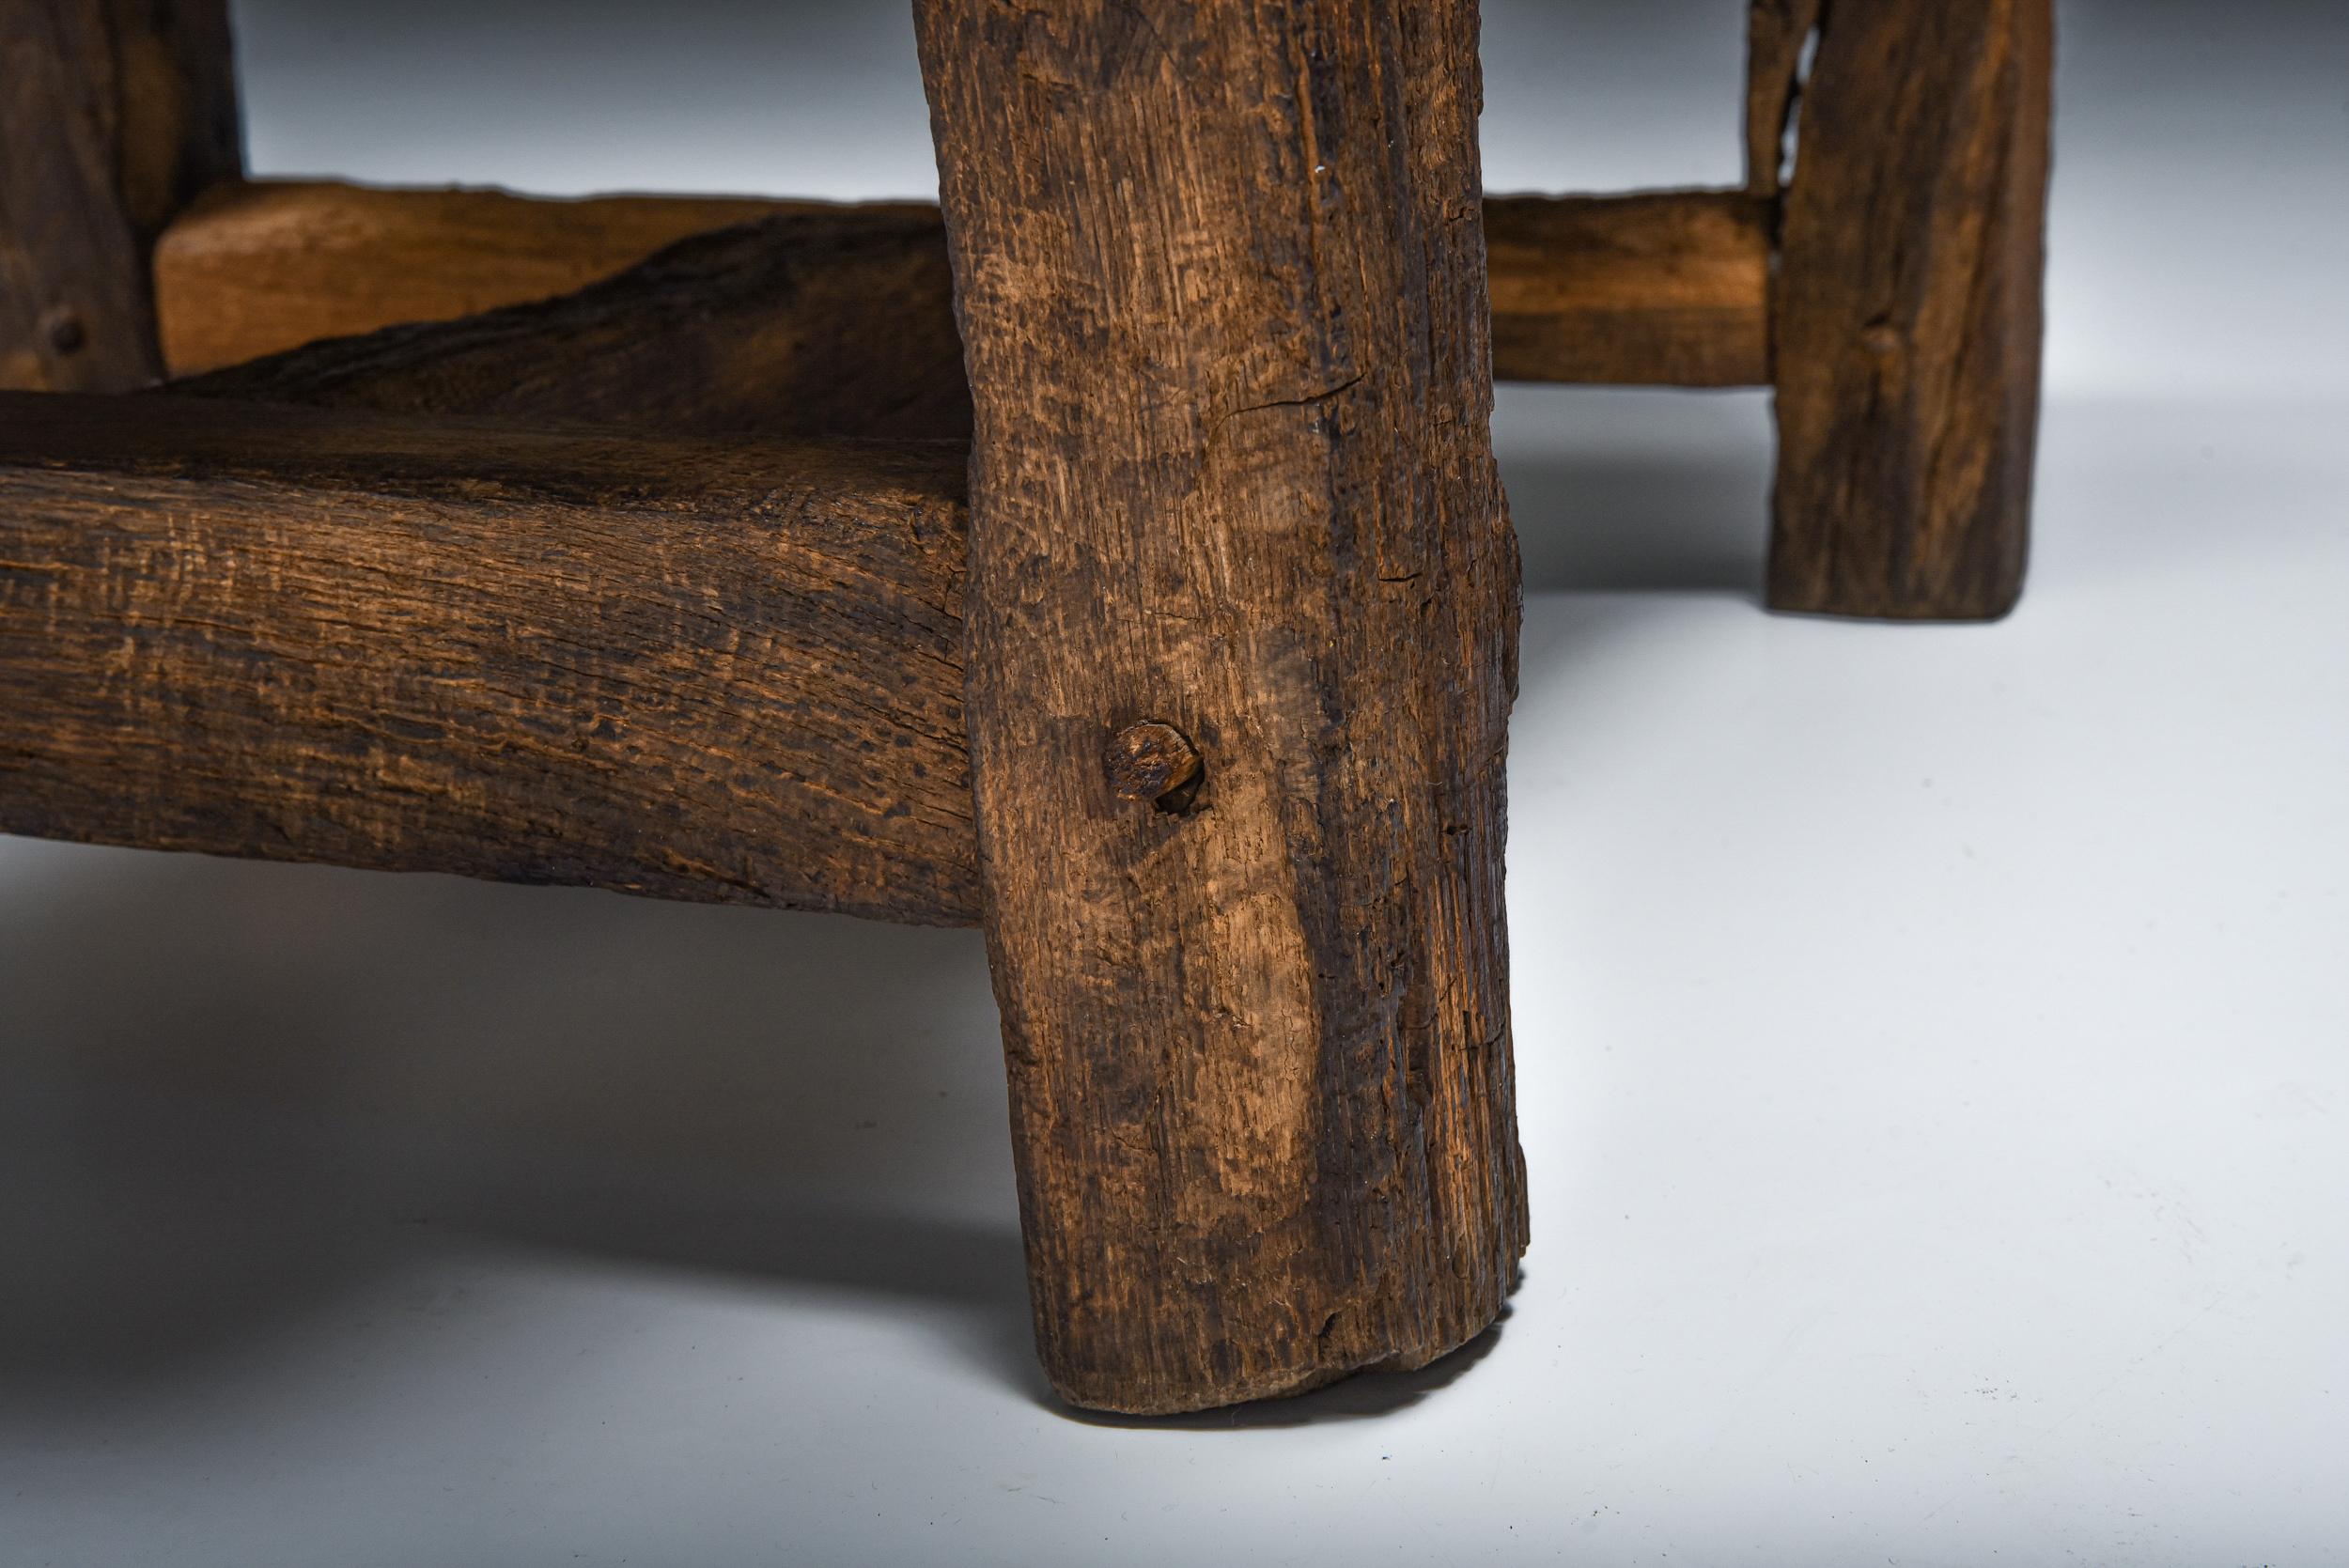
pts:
pixel 1777 35
pixel 1907 320
pixel 1242 618
pixel 114 115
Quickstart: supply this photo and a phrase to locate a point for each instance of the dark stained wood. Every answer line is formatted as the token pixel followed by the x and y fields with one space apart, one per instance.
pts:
pixel 1242 648
pixel 1221 281
pixel 1777 33
pixel 815 324
pixel 1662 287
pixel 113 114
pixel 721 672
pixel 1909 312
pixel 257 268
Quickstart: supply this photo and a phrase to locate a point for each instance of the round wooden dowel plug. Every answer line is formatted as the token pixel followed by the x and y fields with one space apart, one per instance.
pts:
pixel 64 330
pixel 1153 761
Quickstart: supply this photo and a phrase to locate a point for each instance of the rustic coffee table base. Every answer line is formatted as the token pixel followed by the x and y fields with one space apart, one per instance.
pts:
pixel 1162 619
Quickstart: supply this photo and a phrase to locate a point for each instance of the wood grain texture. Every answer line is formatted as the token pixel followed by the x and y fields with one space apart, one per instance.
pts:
pixel 835 323
pixel 1909 312
pixel 714 672
pixel 112 114
pixel 1777 34
pixel 1221 274
pixel 1661 287
pixel 260 267
pixel 1630 289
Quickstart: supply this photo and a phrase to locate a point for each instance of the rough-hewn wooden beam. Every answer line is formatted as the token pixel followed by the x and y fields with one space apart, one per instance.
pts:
pixel 1908 314
pixel 1665 288
pixel 708 671
pixel 837 323
pixel 257 268
pixel 113 114
pixel 1221 280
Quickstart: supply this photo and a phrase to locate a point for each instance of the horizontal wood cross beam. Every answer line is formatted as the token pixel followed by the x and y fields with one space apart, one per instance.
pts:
pixel 371 632
pixel 1651 288
pixel 257 267
pixel 1659 287
pixel 839 321
pixel 714 672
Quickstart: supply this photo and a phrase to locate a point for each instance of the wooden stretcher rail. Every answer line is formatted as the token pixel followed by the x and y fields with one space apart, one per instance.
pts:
pixel 718 672
pixel 834 323
pixel 370 632
pixel 257 267
pixel 1661 287
pixel 1658 288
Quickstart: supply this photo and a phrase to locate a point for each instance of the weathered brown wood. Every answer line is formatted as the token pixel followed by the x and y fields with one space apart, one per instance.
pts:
pixel 1221 281
pixel 724 672
pixel 834 323
pixel 1909 312
pixel 257 268
pixel 1777 33
pixel 1662 287
pixel 113 114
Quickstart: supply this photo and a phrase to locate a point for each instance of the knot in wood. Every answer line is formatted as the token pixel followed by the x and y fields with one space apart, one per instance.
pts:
pixel 1151 761
pixel 64 329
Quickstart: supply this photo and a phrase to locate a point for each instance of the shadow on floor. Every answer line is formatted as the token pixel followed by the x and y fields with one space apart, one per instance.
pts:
pixel 1616 490
pixel 232 1093
pixel 1364 1394
pixel 229 1092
